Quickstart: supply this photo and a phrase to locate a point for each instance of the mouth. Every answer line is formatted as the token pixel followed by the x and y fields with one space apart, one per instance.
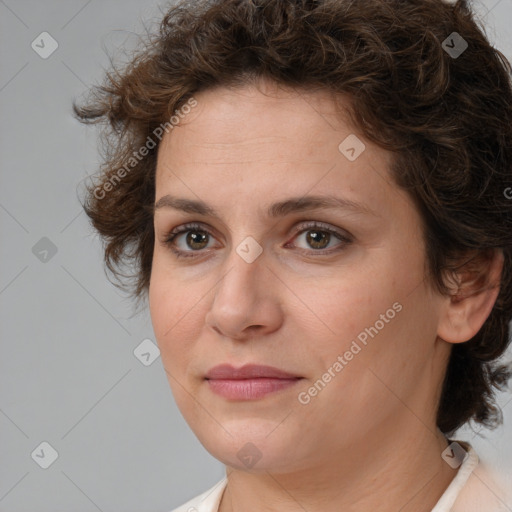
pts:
pixel 250 382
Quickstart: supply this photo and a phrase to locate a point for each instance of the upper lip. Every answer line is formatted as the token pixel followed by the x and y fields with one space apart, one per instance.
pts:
pixel 248 371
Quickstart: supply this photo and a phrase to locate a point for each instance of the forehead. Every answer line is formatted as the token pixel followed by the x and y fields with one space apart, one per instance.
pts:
pixel 231 122
pixel 260 138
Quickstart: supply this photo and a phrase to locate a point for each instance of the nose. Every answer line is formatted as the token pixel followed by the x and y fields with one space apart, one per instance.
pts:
pixel 246 301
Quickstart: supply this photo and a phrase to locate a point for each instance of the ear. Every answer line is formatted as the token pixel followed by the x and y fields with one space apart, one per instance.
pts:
pixel 473 296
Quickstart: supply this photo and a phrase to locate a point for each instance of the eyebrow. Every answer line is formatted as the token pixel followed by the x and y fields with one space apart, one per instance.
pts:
pixel 279 209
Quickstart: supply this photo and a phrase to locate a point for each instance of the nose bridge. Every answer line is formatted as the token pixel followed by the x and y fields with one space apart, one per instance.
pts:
pixel 245 266
pixel 241 298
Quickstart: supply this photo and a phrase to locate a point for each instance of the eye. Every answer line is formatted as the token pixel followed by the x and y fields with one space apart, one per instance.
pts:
pixel 318 236
pixel 196 238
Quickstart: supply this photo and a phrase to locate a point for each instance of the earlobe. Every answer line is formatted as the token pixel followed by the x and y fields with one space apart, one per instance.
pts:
pixel 478 285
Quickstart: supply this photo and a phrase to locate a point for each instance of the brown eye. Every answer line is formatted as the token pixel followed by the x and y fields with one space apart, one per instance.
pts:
pixel 196 238
pixel 196 241
pixel 318 239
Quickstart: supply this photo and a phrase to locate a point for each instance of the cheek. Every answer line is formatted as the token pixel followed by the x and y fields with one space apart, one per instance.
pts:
pixel 367 315
pixel 171 299
pixel 175 328
pixel 172 313
pixel 384 321
pixel 343 307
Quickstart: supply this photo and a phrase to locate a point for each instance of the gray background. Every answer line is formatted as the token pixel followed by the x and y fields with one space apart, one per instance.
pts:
pixel 69 376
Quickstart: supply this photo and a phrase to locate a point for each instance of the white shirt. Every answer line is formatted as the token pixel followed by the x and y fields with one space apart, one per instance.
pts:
pixel 469 491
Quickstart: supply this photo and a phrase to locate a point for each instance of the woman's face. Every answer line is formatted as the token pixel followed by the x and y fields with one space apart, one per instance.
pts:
pixel 333 295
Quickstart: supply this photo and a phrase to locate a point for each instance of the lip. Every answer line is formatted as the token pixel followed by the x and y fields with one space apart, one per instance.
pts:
pixel 250 382
pixel 248 371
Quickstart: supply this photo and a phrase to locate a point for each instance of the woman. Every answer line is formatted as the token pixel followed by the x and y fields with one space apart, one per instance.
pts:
pixel 314 195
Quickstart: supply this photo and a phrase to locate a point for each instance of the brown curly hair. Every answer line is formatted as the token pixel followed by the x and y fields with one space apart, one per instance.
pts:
pixel 446 118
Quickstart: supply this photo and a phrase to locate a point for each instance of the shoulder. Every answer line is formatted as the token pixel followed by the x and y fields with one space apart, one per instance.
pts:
pixel 208 501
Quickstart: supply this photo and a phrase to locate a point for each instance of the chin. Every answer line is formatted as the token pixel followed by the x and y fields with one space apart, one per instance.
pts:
pixel 251 444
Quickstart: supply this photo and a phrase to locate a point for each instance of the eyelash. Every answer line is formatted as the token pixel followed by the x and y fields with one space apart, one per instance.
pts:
pixel 169 239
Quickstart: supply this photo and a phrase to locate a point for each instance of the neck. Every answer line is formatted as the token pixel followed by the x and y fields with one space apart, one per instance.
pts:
pixel 394 472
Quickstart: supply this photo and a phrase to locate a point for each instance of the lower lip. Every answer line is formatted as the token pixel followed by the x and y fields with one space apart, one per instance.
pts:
pixel 249 389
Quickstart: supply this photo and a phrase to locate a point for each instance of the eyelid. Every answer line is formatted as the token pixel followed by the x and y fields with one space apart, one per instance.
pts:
pixel 189 226
pixel 301 226
pixel 323 226
pixel 169 237
pixel 342 235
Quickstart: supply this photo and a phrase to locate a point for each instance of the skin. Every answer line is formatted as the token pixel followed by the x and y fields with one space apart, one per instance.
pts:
pixel 368 440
